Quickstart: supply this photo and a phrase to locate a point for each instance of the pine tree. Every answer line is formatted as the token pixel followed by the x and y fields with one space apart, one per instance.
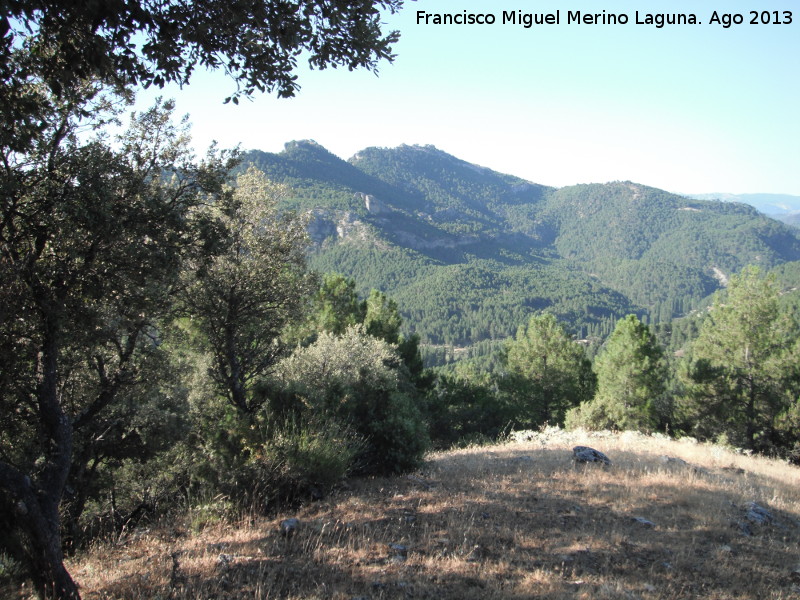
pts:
pixel 337 305
pixel 743 371
pixel 631 381
pixel 547 372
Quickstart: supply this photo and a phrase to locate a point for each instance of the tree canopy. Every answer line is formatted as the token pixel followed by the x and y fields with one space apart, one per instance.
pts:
pixel 93 234
pixel 241 298
pixel 133 42
pixel 91 241
pixel 548 372
pixel 57 51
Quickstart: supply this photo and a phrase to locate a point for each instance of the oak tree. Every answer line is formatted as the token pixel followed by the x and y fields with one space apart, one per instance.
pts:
pixel 257 43
pixel 92 236
pixel 240 299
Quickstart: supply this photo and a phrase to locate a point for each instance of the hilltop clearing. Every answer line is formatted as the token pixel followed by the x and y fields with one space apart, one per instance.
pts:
pixel 668 519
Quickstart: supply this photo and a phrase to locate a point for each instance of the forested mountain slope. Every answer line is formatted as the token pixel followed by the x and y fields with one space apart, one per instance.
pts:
pixel 662 248
pixel 469 253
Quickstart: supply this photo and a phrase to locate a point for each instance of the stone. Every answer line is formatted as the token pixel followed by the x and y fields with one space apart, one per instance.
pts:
pixel 289 527
pixel 643 521
pixel 373 205
pixel 758 514
pixel 584 454
pixel 320 226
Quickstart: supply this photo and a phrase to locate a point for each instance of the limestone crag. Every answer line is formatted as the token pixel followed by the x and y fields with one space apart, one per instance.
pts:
pixel 337 225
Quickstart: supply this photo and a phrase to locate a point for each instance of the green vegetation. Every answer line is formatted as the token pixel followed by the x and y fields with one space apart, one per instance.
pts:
pixel 196 337
pixel 95 233
pixel 469 253
pixel 92 240
pixel 631 381
pixel 360 380
pixel 240 298
pixel 188 356
pixel 743 376
pixel 547 372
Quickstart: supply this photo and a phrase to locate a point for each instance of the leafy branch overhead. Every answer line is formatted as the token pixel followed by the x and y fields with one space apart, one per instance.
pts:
pixel 257 43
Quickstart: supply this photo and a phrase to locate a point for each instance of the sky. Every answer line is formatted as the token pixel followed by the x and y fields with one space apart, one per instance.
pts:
pixel 686 108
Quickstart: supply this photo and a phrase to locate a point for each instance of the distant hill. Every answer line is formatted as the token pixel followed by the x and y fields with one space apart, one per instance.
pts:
pixel 792 219
pixel 470 253
pixel 783 207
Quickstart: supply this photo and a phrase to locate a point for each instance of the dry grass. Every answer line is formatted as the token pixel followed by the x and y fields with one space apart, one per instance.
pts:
pixel 519 520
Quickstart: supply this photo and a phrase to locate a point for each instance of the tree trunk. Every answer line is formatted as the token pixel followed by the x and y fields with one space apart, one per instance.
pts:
pixel 38 520
pixel 37 499
pixel 751 426
pixel 50 576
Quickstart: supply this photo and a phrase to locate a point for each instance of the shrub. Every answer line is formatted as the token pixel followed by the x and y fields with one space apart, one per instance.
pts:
pixel 261 463
pixel 361 381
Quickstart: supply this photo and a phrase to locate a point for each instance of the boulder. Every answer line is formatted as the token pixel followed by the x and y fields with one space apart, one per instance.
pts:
pixel 758 514
pixel 289 527
pixel 584 454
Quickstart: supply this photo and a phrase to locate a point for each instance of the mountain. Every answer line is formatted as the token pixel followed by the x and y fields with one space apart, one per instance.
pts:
pixel 783 207
pixel 470 253
pixel 792 219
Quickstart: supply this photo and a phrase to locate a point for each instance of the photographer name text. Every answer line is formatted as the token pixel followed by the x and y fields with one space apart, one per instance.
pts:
pixel 578 17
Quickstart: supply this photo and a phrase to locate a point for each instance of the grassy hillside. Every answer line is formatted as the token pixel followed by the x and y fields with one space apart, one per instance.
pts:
pixel 667 520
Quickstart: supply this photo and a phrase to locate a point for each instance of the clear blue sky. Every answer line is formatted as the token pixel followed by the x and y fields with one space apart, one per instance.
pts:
pixel 686 108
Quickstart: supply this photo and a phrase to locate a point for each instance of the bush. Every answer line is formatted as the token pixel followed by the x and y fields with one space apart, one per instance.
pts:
pixel 261 463
pixel 394 429
pixel 313 456
pixel 462 410
pixel 361 381
pixel 592 415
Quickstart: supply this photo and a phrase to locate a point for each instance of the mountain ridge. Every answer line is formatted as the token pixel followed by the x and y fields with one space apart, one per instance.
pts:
pixel 769 204
pixel 469 252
